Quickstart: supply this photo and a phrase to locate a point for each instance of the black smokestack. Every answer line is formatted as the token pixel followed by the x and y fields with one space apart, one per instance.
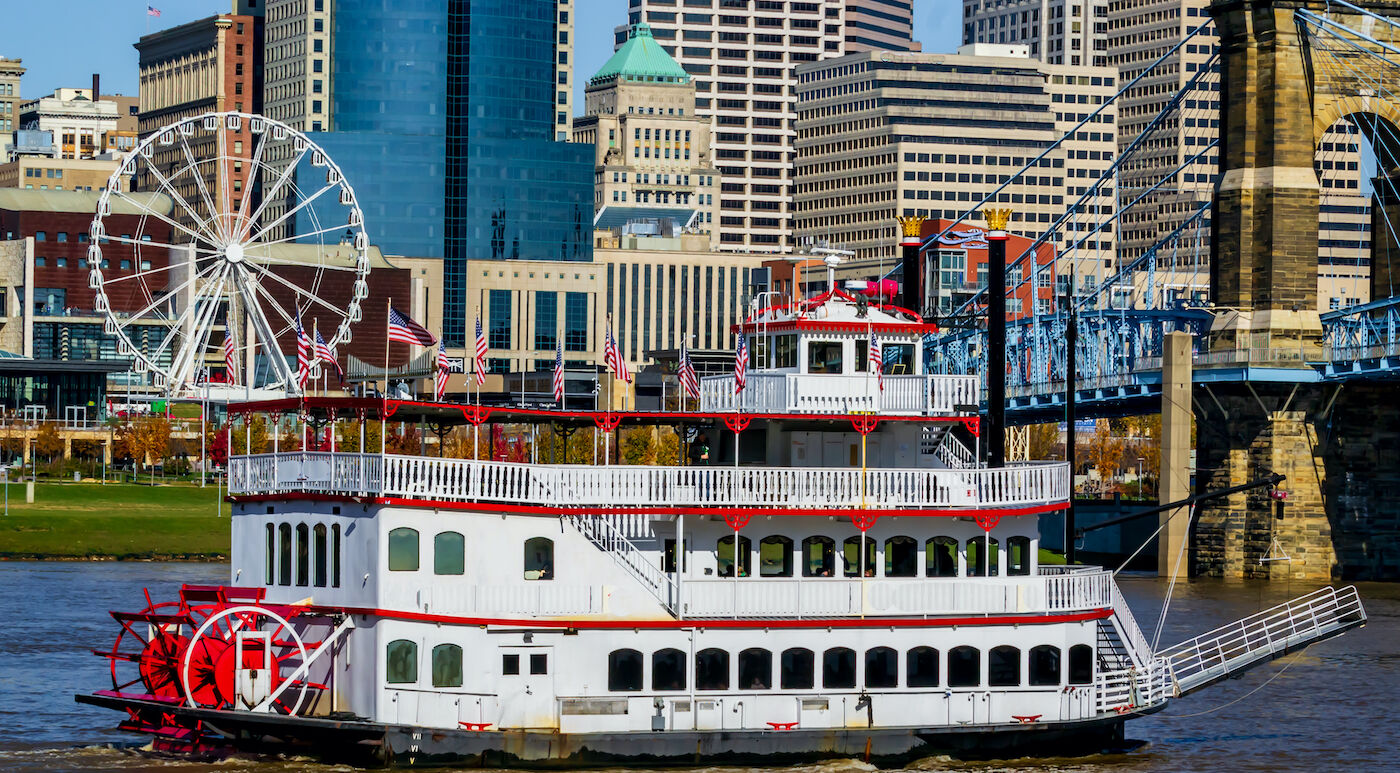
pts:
pixel 96 87
pixel 911 286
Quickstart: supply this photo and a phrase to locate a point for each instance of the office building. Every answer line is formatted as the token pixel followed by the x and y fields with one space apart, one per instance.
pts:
pixel 883 135
pixel 45 173
pixel 879 25
pixel 1056 32
pixel 651 149
pixel 11 71
pixel 207 65
pixel 742 58
pixel 78 124
pixel 456 157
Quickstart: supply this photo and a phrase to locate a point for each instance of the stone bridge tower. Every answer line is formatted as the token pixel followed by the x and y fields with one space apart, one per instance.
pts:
pixel 1276 102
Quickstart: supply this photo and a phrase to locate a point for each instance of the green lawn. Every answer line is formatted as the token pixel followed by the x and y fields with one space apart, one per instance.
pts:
pixel 74 520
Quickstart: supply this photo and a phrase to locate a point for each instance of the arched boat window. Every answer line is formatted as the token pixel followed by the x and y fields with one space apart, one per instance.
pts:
pixel 449 553
pixel 1018 556
pixel 401 662
pixel 539 558
pixel 447 665
pixel 303 555
pixel 335 556
pixel 1081 664
pixel 403 550
pixel 901 557
pixel 979 550
pixel 964 667
pixel 284 554
pixel 849 553
pixel 755 669
pixel 881 667
pixel 712 669
pixel 668 670
pixel 941 557
pixel 1045 666
pixel 724 558
pixel 818 557
pixel 1004 666
pixel 798 667
pixel 270 558
pixel 839 668
pixel 921 667
pixel 319 555
pixel 775 556
pixel 624 671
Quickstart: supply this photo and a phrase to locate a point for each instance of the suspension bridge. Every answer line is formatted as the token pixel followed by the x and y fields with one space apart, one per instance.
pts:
pixel 1301 191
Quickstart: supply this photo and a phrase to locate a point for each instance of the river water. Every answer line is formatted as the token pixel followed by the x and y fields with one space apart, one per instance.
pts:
pixel 1328 708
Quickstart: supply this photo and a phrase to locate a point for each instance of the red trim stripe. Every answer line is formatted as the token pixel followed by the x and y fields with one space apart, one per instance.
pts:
pixel 493 507
pixel 612 624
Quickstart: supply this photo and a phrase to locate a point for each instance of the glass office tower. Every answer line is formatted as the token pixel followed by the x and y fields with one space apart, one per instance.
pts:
pixel 443 120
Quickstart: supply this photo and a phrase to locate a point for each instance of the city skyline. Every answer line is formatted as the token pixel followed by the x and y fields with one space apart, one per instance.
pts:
pixel 110 35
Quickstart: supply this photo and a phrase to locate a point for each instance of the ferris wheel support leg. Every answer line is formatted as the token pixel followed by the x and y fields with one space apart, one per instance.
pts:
pixel 265 334
pixel 300 673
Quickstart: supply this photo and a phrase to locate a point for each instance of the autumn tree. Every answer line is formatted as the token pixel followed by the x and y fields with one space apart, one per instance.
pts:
pixel 348 435
pixel 1105 451
pixel 146 440
pixel 637 446
pixel 240 436
pixel 1044 441
pixel 47 442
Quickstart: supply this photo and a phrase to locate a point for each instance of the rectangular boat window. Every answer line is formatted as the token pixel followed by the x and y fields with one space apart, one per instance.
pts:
pixel 539 664
pixel 668 561
pixel 824 357
pixel 510 665
pixel 898 358
pixel 403 550
pixel 785 351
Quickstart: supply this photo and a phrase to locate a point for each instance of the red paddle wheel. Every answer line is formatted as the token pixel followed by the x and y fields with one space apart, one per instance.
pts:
pixel 215 648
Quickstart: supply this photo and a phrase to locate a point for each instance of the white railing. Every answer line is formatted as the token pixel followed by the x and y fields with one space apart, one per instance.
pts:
pixel 822 597
pixel 612 541
pixel 1138 648
pixel 1249 641
pixel 827 393
pixel 468 480
pixel 953 453
pixel 1133 688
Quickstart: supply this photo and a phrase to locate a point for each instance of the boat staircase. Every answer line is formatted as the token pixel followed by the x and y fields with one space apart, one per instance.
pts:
pixel 1121 644
pixel 1251 641
pixel 939 442
pixel 612 535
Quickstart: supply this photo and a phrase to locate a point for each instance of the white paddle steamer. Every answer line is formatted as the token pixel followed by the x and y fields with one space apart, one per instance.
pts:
pixel 841 577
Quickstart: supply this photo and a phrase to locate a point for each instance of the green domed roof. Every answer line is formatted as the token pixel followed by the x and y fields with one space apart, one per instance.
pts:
pixel 641 58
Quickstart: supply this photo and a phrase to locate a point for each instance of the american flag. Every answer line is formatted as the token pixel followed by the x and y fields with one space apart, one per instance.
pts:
pixel 559 372
pixel 687 377
pixel 612 357
pixel 741 363
pixel 480 364
pixel 303 355
pixel 877 360
pixel 151 10
pixel 440 383
pixel 324 353
pixel 230 355
pixel 405 330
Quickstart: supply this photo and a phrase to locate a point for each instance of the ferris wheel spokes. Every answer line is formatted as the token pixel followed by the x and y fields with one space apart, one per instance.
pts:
pixel 266 339
pixel 185 363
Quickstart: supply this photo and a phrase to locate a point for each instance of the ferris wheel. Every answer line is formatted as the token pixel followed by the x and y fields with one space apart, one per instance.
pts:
pixel 246 232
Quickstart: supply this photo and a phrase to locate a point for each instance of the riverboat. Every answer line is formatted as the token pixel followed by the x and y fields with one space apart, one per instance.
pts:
pixel 840 576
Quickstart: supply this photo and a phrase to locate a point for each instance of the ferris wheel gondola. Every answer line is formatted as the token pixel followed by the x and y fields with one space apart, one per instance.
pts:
pixel 247 230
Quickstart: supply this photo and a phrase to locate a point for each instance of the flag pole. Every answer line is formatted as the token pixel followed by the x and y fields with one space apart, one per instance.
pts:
pixel 388 309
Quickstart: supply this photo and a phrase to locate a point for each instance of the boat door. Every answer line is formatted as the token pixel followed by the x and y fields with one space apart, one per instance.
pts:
pixel 526 688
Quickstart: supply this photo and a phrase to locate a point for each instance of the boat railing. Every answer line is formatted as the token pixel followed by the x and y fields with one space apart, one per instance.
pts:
pixel 1129 689
pixel 625 486
pixel 828 393
pixel 895 597
pixel 1138 648
pixel 1248 641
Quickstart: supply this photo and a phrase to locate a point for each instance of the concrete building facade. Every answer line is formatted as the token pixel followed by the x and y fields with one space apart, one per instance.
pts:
pixel 11 72
pixel 59 174
pixel 882 135
pixel 1057 31
pixel 79 125
pixel 879 25
pixel 742 58
pixel 652 150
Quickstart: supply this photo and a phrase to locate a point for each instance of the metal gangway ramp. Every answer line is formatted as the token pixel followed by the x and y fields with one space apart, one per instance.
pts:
pixel 1251 641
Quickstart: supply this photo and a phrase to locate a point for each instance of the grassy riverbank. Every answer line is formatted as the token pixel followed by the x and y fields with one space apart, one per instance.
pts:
pixel 115 521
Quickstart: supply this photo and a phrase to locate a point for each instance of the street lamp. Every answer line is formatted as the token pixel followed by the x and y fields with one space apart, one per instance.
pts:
pixel 1140 461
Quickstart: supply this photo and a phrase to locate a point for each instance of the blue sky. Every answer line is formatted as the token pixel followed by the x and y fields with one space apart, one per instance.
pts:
pixel 100 33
